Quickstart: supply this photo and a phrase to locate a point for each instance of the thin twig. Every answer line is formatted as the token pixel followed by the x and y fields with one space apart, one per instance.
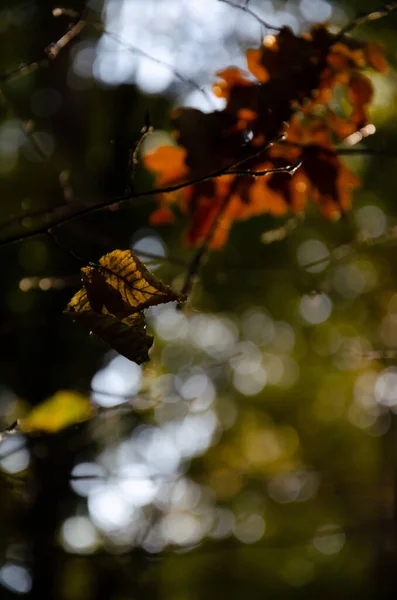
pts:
pixel 289 169
pixel 135 50
pixel 197 260
pixel 361 18
pixel 50 52
pixel 11 428
pixel 23 69
pixel 54 49
pixel 116 202
pixel 63 219
pixel 66 12
pixel 145 132
pixel 61 246
pixel 249 11
pixel 61 210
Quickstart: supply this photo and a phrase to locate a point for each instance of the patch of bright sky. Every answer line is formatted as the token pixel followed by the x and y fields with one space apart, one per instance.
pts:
pixel 159 43
pixel 15 578
pixel 14 457
pixel 113 384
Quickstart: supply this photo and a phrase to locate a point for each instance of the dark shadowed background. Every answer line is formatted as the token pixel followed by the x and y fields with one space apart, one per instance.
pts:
pixel 255 455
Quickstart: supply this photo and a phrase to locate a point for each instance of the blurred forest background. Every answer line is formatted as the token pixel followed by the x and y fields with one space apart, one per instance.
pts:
pixel 256 454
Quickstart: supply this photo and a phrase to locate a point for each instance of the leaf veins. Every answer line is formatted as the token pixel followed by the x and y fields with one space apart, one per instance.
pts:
pixel 115 291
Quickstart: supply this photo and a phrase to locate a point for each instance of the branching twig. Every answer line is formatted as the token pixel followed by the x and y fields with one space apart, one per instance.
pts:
pixel 135 50
pixel 290 169
pixel 373 15
pixel 23 69
pixel 64 219
pixel 249 11
pixel 74 30
pixel 116 202
pixel 198 258
pixel 50 52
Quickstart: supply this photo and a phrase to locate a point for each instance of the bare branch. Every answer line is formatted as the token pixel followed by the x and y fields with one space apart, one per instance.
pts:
pixel 135 50
pixel 51 52
pixel 63 219
pixel 112 203
pixel 145 132
pixel 74 30
pixel 289 169
pixel 245 8
pixel 24 69
pixel 361 18
pixel 66 12
pixel 198 258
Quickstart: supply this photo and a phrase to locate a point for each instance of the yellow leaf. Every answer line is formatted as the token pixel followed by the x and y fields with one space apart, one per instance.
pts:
pixel 136 285
pixel 102 296
pixel 114 293
pixel 127 336
pixel 63 409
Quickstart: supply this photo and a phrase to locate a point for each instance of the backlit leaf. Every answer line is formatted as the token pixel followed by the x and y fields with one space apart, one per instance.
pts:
pixel 170 159
pixel 309 86
pixel 137 287
pixel 162 216
pixel 127 336
pixel 114 293
pixel 375 56
pixel 63 409
pixel 101 294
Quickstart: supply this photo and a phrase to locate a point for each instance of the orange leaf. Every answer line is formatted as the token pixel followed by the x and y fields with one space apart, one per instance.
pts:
pixel 162 216
pixel 375 56
pixel 339 126
pixel 297 78
pixel 255 66
pixel 232 76
pixel 360 90
pixel 168 162
pixel 360 93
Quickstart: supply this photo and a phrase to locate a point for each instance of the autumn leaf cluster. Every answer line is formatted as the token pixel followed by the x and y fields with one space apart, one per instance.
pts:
pixel 312 88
